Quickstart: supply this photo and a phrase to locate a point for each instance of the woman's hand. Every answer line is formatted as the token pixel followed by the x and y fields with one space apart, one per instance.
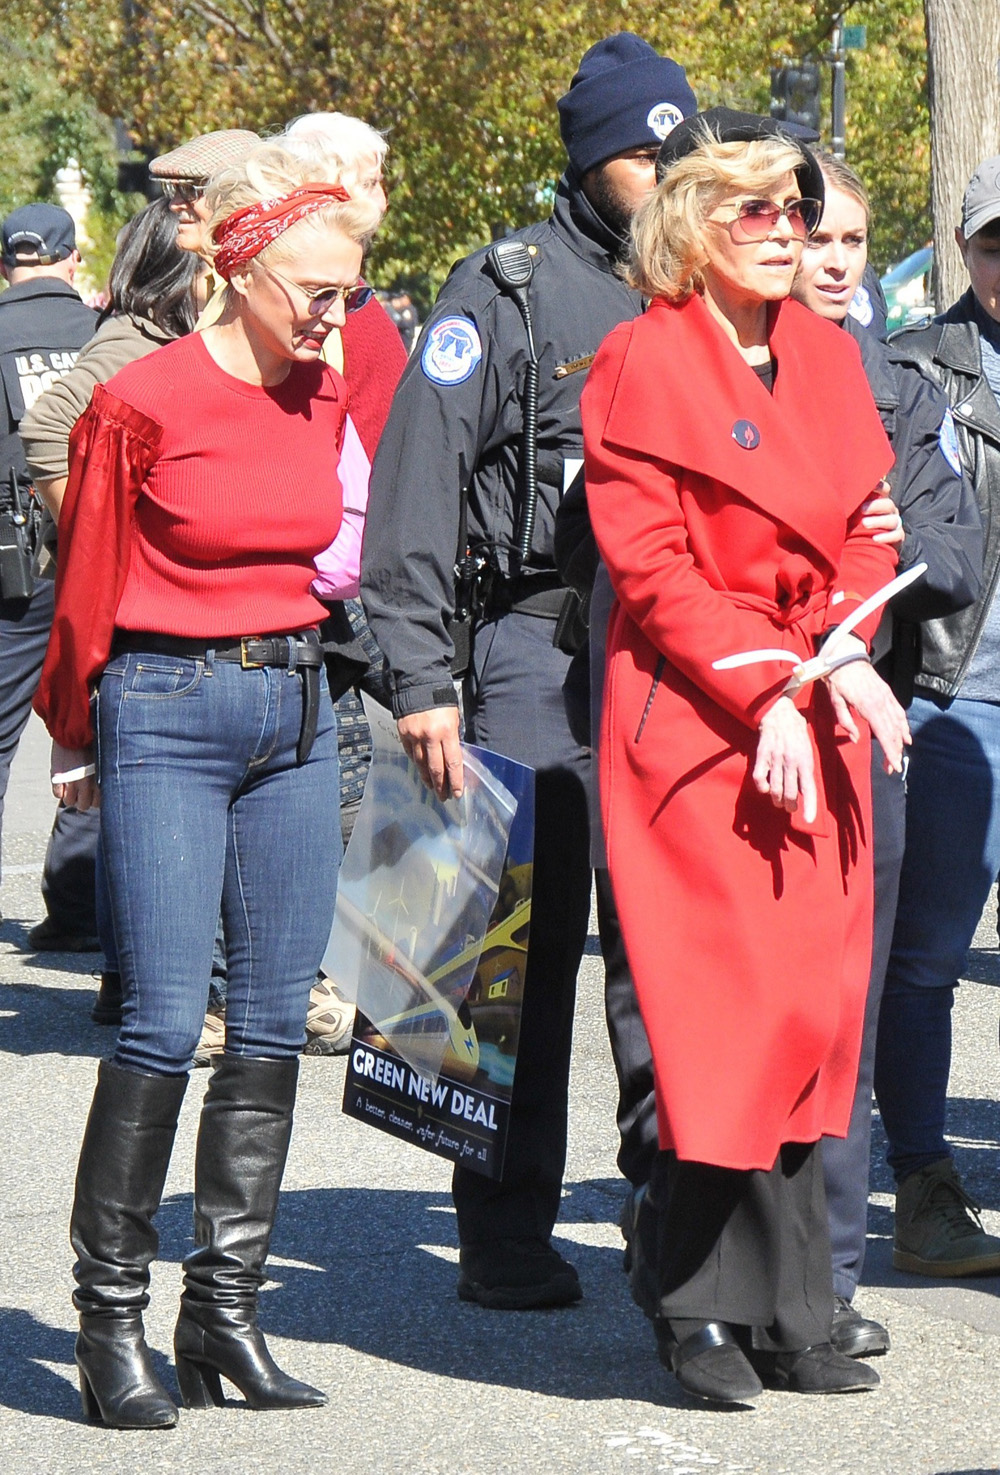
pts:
pixel 784 766
pixel 76 788
pixel 859 688
pixel 881 516
pixel 431 740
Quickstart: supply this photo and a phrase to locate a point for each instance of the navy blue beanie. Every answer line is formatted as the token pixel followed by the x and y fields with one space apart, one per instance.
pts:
pixel 624 95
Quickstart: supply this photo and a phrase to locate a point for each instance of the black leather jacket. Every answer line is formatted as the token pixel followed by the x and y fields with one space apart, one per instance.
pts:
pixel 947 351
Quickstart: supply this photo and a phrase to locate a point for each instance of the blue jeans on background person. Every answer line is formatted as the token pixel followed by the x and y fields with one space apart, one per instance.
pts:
pixel 951 860
pixel 202 802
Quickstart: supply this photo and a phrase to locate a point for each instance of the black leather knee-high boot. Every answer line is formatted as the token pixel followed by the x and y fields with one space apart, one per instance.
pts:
pixel 123 1166
pixel 246 1124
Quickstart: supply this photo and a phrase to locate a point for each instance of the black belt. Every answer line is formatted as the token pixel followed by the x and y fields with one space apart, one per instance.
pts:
pixel 540 595
pixel 301 650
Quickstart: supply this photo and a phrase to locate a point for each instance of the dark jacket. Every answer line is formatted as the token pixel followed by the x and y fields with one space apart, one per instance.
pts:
pixel 456 422
pixel 947 351
pixel 937 504
pixel 43 326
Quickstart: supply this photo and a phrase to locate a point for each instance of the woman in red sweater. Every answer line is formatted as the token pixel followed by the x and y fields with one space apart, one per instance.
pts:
pixel 203 484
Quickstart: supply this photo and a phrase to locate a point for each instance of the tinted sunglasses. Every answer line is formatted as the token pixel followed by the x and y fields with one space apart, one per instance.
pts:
pixel 181 191
pixel 354 297
pixel 758 218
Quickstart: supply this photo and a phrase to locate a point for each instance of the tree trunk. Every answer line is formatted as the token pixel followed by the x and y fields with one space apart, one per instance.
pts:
pixel 963 49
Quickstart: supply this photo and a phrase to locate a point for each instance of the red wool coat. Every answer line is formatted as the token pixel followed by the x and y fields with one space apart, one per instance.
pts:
pixel 729 520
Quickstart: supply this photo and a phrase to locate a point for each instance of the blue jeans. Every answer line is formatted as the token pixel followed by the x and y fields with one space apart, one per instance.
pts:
pixel 951 860
pixel 202 804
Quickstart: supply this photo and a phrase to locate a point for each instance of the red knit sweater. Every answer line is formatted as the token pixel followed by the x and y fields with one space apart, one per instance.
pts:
pixel 195 507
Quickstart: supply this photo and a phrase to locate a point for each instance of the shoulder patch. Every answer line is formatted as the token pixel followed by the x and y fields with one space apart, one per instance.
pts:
pixel 948 442
pixel 452 350
pixel 861 308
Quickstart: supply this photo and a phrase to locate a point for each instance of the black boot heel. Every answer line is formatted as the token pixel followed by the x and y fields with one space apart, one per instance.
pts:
pixel 201 1386
pixel 229 1343
pixel 243 1138
pixel 118 1384
pixel 91 1408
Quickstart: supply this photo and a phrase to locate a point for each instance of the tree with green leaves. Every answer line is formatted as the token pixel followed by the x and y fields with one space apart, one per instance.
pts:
pixel 466 90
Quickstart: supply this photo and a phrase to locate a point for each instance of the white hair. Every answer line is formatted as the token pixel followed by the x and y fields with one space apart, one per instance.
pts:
pixel 347 144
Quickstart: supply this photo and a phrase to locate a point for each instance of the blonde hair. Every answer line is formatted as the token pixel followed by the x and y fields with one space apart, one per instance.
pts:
pixel 841 176
pixel 345 143
pixel 667 231
pixel 270 171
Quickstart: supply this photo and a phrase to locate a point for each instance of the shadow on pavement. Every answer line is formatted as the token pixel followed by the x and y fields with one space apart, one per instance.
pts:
pixel 31 1387
pixel 43 1019
pixel 371 1270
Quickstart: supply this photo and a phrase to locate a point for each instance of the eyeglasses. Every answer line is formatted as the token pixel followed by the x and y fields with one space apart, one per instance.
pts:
pixel 181 191
pixel 354 297
pixel 758 218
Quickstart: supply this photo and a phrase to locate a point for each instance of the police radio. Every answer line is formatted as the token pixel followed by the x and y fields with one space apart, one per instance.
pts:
pixel 16 544
pixel 511 265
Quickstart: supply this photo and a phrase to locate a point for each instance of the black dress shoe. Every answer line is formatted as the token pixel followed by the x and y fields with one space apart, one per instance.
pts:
pixel 516 1275
pixel 821 1369
pixel 855 1335
pixel 48 936
pixel 708 1364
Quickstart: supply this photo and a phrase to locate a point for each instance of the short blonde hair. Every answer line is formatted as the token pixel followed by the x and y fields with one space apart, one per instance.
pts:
pixel 667 231
pixel 338 136
pixel 270 171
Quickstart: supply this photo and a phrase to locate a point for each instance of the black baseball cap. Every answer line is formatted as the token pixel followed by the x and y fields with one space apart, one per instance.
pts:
pixel 730 126
pixel 37 235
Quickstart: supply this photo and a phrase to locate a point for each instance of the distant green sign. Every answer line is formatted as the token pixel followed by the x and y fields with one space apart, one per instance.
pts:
pixel 855 38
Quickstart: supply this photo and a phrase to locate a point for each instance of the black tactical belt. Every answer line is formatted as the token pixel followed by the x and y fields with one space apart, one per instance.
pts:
pixel 252 652
pixel 540 595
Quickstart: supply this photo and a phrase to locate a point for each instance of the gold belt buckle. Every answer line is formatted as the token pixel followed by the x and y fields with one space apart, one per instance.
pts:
pixel 245 661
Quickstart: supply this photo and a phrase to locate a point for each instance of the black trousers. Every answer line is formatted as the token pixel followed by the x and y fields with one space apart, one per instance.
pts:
pixel 847 1161
pixel 516 703
pixel 68 877
pixel 747 1248
pixel 630 1050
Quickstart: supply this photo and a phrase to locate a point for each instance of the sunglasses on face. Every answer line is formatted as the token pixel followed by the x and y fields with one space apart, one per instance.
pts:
pixel 758 218
pixel 181 191
pixel 354 297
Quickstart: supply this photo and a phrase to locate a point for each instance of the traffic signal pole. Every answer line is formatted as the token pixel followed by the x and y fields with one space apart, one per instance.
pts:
pixel 838 96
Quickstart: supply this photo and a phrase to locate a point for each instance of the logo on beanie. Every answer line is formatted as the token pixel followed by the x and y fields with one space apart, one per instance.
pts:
pixel 663 119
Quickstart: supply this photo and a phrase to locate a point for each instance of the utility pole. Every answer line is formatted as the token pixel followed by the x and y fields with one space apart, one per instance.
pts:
pixel 838 98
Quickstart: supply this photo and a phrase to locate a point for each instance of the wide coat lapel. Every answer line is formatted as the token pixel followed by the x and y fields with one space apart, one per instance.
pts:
pixel 806 456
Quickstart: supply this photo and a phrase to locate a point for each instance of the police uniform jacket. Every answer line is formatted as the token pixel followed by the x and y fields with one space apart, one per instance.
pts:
pixel 947 351
pixel 456 423
pixel 43 326
pixel 732 524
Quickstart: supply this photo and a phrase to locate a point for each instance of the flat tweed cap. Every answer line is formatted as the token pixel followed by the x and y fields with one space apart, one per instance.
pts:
pixel 201 157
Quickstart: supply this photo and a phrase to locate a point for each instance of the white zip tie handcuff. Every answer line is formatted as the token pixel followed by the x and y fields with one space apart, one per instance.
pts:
pixel 819 667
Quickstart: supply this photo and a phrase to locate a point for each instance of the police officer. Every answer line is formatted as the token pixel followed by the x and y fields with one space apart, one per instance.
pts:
pixel 43 326
pixel 451 484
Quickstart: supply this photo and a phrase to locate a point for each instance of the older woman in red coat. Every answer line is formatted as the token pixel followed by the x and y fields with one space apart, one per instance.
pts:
pixel 731 445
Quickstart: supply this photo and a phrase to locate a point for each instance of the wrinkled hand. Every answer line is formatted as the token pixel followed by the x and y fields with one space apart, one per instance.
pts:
pixel 859 688
pixel 881 516
pixel 431 739
pixel 81 793
pixel 784 766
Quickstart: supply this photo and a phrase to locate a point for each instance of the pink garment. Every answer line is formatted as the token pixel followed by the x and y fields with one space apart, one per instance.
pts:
pixel 338 569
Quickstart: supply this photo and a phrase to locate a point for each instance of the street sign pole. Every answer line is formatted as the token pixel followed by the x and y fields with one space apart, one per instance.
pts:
pixel 838 99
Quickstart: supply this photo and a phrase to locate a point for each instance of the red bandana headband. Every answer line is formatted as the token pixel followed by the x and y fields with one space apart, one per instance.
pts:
pixel 245 233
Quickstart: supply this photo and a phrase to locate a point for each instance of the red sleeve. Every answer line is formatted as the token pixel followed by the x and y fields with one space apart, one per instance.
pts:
pixel 111 450
pixel 865 567
pixel 374 359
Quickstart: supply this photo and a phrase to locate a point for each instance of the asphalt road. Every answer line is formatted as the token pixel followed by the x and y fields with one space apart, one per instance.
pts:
pixel 363 1304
